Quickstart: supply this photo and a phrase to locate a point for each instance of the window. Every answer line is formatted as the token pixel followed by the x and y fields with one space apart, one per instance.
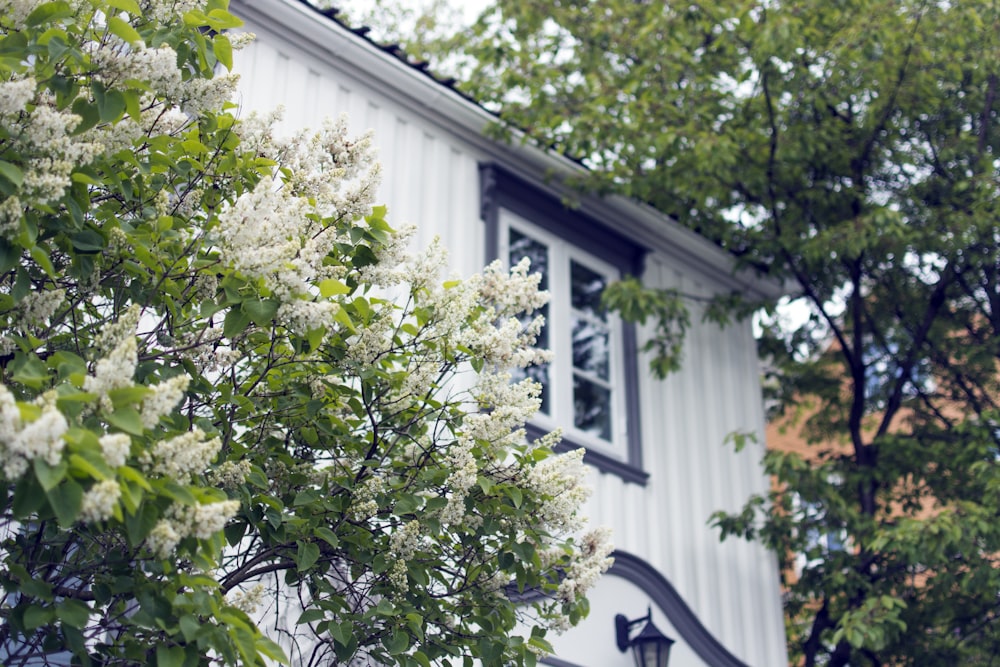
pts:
pixel 582 388
pixel 590 388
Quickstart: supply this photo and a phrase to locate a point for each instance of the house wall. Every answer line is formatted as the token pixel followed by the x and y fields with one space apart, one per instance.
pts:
pixel 431 179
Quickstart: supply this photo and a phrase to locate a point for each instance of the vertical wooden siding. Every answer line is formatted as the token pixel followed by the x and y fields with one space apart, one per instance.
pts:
pixel 430 179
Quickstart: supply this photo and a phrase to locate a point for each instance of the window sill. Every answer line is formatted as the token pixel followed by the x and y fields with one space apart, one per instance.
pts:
pixel 592 457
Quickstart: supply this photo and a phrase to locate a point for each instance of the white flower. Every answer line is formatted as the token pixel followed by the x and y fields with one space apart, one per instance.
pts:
pixel 39 305
pixel 162 398
pixel 182 456
pixel 405 540
pixel 248 600
pixel 115 447
pixel 99 501
pixel 163 538
pixel 22 442
pixel 115 370
pixel 15 95
pixel 230 474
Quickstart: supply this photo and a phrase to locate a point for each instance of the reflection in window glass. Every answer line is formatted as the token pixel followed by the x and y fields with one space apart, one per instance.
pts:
pixel 522 246
pixel 586 290
pixel 591 408
pixel 590 347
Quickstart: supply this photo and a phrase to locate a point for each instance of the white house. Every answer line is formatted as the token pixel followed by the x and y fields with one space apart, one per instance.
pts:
pixel 660 464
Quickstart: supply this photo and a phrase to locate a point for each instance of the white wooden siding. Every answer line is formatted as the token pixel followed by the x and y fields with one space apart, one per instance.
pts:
pixel 430 179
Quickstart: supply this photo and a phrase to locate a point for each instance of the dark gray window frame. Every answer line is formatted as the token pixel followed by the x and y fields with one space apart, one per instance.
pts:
pixel 500 189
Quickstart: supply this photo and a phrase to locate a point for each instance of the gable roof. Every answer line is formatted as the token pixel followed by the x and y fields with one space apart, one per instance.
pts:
pixel 439 102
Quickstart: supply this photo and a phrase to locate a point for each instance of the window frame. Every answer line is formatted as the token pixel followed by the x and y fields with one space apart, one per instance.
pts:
pixel 546 211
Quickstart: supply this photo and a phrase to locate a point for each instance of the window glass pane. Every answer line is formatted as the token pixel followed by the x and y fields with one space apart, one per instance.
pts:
pixel 591 408
pixel 590 346
pixel 524 246
pixel 586 289
pixel 520 246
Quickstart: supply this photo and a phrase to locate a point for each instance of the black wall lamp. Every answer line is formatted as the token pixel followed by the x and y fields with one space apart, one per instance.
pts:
pixel 650 647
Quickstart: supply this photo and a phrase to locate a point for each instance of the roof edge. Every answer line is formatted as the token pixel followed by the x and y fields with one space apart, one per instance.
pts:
pixel 441 104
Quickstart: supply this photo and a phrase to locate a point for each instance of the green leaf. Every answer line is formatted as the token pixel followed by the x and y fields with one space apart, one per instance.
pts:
pixel 125 396
pixel 87 240
pixel 37 588
pixel 12 173
pixel 260 312
pixel 332 287
pixel 29 497
pixel 127 419
pixel 121 28
pixel 235 323
pixel 75 613
pixel 306 555
pixel 516 495
pixel 327 536
pixel 90 115
pixel 65 501
pixel 315 337
pixel 50 476
pixel 234 532
pixel 223 50
pixel 110 103
pixel 9 255
pixel 169 656
pixel 41 256
pixel 35 617
pixel 310 616
pixel 397 642
pixel 220 20
pixel 130 6
pixel 48 13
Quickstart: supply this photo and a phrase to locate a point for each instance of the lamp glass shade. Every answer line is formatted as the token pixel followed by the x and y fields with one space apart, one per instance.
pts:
pixel 651 647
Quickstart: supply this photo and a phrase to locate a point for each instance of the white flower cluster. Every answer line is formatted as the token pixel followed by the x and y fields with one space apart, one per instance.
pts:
pixel 404 542
pixel 247 600
pixel 162 398
pixel 15 95
pixel 281 232
pixel 463 477
pixel 22 441
pixel 164 11
pixel 115 448
pixel 583 572
pixel 113 371
pixel 99 501
pixel 113 334
pixel 388 269
pixel 201 521
pixel 229 474
pixel 16 11
pixel 365 502
pixel 40 305
pixel 181 457
pixel 337 172
pixel 44 136
pixel 504 408
pixel 559 480
pixel 115 62
pixel 398 577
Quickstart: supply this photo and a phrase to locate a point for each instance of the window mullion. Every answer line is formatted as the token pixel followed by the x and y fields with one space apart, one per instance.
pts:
pixel 560 334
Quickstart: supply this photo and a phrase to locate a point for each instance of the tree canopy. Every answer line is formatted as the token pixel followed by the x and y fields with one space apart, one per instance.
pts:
pixel 238 423
pixel 849 149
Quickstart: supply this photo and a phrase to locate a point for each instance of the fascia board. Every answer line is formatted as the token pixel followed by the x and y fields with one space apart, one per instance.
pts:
pixel 446 109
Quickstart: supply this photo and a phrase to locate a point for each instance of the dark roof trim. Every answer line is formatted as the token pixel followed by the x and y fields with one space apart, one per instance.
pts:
pixel 396 51
pixel 662 593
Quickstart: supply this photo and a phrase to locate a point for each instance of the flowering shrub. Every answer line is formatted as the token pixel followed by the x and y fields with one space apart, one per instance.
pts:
pixel 237 423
